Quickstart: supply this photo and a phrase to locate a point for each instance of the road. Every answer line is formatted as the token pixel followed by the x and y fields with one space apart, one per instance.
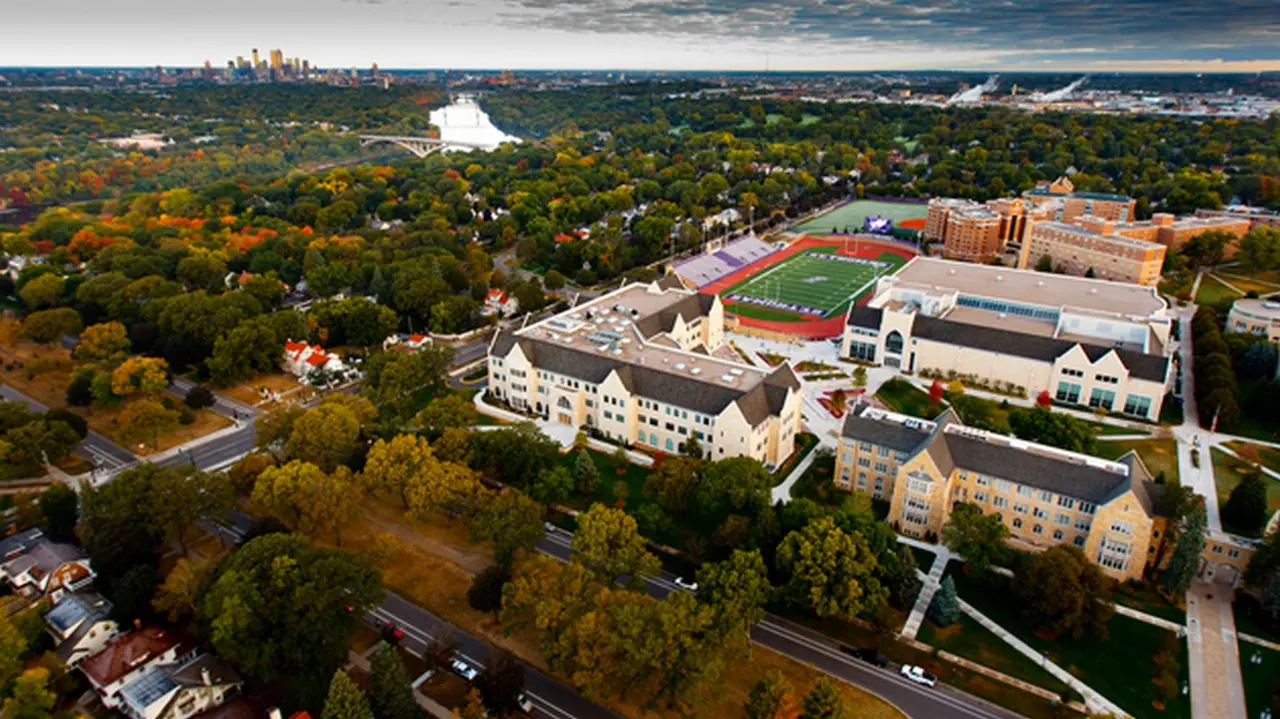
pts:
pixel 95 448
pixel 823 653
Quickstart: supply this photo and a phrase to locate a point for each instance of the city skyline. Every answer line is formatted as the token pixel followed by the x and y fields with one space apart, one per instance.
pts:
pixel 734 35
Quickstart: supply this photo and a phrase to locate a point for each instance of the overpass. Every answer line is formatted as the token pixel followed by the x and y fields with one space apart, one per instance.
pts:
pixel 421 146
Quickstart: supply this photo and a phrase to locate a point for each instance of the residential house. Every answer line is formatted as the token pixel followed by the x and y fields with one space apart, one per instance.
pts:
pixel 47 568
pixel 180 691
pixel 499 302
pixel 128 657
pixel 20 543
pixel 81 626
pixel 301 359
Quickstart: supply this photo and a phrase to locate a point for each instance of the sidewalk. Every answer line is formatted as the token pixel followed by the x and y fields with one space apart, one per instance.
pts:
pixel 562 433
pixel 931 583
pixel 782 492
pixel 1217 689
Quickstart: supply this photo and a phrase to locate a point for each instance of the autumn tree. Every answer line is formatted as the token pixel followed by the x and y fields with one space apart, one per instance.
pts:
pixel 314 500
pixel 737 588
pixel 141 375
pixel 447 412
pixel 145 420
pixel 974 535
pixel 177 596
pixel 608 543
pixel 830 572
pixel 345 700
pixel 13 645
pixel 511 521
pixel 394 466
pixel 1062 592
pixel 274 428
pixel 936 391
pixel 48 326
pixel 771 698
pixel 41 292
pixel 673 484
pixel 32 697
pixel 822 702
pixel 325 435
pixel 447 486
pixel 106 343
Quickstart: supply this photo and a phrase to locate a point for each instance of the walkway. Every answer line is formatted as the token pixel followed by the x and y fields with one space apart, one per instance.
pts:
pixel 1217 690
pixel 931 583
pixel 1096 702
pixel 563 434
pixel 782 492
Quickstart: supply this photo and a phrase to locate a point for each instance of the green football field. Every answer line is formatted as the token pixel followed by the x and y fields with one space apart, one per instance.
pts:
pixel 851 215
pixel 813 282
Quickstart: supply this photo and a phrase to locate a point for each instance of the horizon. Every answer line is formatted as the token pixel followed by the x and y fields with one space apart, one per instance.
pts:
pixel 690 71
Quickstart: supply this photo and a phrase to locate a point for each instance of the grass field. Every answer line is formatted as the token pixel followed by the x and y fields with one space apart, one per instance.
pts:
pixel 851 215
pixel 813 282
pixel 1227 473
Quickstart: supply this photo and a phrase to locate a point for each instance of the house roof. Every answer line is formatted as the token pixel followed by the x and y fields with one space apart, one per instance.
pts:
pixel 45 557
pixel 1038 469
pixel 895 435
pixel 863 316
pixel 75 608
pixel 154 685
pixel 126 653
pixel 193 672
pixel 1019 344
pixel 238 708
pixel 16 544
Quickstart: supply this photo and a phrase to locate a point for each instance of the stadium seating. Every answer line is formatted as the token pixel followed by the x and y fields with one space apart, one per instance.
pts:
pixel 707 268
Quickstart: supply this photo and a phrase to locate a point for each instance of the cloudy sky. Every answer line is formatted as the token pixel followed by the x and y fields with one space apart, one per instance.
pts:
pixel 1191 35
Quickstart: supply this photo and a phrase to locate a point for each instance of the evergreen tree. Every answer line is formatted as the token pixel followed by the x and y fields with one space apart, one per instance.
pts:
pixel 1246 508
pixel 390 691
pixel 945 607
pixel 1271 596
pixel 345 700
pixel 485 594
pixel 823 702
pixel 1184 562
pixel 906 583
pixel 585 473
pixel 769 698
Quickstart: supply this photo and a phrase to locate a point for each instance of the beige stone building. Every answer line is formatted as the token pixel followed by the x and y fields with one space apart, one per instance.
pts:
pixel 1259 317
pixel 1172 231
pixel 1044 495
pixel 1093 247
pixel 1097 344
pixel 646 365
pixel 1067 204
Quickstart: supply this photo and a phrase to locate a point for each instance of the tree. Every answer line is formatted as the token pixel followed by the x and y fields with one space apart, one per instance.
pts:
pixel 738 484
pixel 32 698
pixel 859 376
pixel 390 691
pixel 145 420
pixel 904 582
pixel 586 474
pixel 251 612
pixel 1062 592
pixel 60 506
pixel 1056 429
pixel 199 397
pixel 1044 264
pixel 345 700
pixel 839 402
pixel 449 411
pixel 1180 572
pixel 737 589
pixel 770 698
pixel 274 428
pixel 944 610
pixel 394 466
pixel 936 391
pixel 13 646
pixel 608 543
pixel 132 593
pixel 1258 250
pixel 974 536
pixel 485 594
pixel 177 596
pixel 325 435
pixel 106 343
pixel 673 484
pixel 1044 399
pixel 1246 506
pixel 449 486
pixel 41 292
pixel 500 685
pixel 48 326
pixel 829 572
pixel 314 500
pixel 822 702
pixel 553 484
pixel 511 521
pixel 80 391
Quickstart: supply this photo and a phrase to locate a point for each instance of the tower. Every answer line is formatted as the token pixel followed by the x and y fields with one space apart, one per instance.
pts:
pixel 256 58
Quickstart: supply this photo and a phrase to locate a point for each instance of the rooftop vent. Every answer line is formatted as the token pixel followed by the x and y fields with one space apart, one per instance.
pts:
pixel 951 271
pixel 696 370
pixel 617 351
pixel 1039 283
pixel 727 379
pixel 1093 290
pixel 735 372
pixel 999 278
pixel 680 365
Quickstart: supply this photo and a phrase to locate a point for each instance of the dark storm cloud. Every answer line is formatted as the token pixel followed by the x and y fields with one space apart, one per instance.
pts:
pixel 1044 25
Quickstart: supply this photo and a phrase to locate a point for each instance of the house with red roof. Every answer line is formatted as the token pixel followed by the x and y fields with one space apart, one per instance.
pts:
pixel 498 302
pixel 128 657
pixel 301 359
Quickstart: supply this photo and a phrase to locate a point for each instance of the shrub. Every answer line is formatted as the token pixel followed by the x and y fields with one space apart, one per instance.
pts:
pixel 73 420
pixel 199 398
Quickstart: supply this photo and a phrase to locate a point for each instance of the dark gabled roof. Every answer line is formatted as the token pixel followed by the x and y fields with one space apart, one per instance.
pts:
pixel 1042 471
pixel 863 316
pixel 664 320
pixel 502 343
pixel 670 281
pixel 888 434
pixel 754 405
pixel 192 673
pixel 75 608
pixel 16 544
pixel 698 395
pixel 1020 344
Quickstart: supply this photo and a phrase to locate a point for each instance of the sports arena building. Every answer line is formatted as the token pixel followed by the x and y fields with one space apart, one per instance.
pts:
pixel 1093 343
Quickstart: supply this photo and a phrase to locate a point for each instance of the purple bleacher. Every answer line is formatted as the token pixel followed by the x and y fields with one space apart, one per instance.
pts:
pixel 728 258
pixel 707 268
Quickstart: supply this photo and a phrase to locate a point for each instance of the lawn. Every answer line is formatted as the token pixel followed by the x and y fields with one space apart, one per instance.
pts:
pixel 1214 294
pixel 853 214
pixel 1119 667
pixel 1252 619
pixel 1160 455
pixel 1227 473
pixel 1144 599
pixel 632 477
pixel 969 639
pixel 1268 457
pixel 251 391
pixel 903 397
pixel 1261 680
pixel 816 483
pixel 1248 285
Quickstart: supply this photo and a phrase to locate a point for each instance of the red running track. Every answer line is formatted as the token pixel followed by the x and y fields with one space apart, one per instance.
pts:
pixel 813 328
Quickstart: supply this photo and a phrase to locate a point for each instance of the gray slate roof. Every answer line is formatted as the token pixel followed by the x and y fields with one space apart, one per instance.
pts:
pixel 16 544
pixel 863 316
pixel 74 608
pixel 1041 471
pixel 898 437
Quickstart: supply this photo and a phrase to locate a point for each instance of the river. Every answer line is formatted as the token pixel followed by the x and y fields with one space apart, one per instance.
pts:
pixel 464 121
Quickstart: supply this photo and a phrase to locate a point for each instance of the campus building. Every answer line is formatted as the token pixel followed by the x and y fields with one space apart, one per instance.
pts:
pixel 1093 248
pixel 1171 231
pixel 979 232
pixel 1258 317
pixel 1088 342
pixel 1066 204
pixel 1255 216
pixel 647 365
pixel 1044 495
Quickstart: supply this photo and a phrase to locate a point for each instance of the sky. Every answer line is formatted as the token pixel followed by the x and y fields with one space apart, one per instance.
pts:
pixel 1043 35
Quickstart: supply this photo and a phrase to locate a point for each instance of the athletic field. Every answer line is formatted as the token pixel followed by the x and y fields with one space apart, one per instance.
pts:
pixel 815 283
pixel 852 214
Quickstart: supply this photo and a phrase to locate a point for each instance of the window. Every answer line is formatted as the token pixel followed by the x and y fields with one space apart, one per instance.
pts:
pixel 1120 527
pixel 1063 519
pixel 1003 486
pixel 608 414
pixel 1233 553
pixel 1057 535
pixel 864 461
pixel 1106 379
pixel 983 480
pixel 1017 522
pixel 879 485
pixel 916 511
pixel 893 343
pixel 1020 508
pixel 918 486
pixel 1024 490
pixel 882 451
pixel 999 502
pixel 1037 529
pixel 1066 502
pixel 1083 525
pixel 1068 392
pixel 1088 507
pixel 639 418
pixel 980 497
pixel 670 427
pixel 1102 398
pixel 1039 513
pixel 670 445
pixel 864 446
pixel 1046 497
pixel 1137 405
pixel 1078 541
pixel 1113 554
pixel 846 457
pixel 653 439
pixel 1072 372
pixel 882 467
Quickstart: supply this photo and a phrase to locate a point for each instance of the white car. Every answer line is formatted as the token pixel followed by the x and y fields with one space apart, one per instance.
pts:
pixel 522 701
pixel 918 675
pixel 684 584
pixel 462 669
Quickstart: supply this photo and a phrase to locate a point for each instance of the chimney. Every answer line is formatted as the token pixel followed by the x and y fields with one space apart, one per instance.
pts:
pixel 137 624
pixel 274 713
pixel 204 676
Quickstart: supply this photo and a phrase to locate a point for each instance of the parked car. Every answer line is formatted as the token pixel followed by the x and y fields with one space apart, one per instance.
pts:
pixel 463 669
pixel 522 701
pixel 867 655
pixel 918 675
pixel 686 584
pixel 550 527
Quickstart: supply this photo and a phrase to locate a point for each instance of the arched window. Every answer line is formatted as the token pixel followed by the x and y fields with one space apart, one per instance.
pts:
pixel 653 439
pixel 670 445
pixel 893 343
pixel 564 403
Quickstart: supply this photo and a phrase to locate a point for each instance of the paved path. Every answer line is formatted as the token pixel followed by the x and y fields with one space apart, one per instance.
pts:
pixel 1217 690
pixel 782 492
pixel 931 582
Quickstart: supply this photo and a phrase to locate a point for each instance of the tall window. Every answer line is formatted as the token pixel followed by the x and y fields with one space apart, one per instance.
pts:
pixel 893 343
pixel 1137 405
pixel 1102 398
pixel 1068 392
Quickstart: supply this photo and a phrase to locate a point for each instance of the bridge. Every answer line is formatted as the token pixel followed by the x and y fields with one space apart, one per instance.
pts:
pixel 420 146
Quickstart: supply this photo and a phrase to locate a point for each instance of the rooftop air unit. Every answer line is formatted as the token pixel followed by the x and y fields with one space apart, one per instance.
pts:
pixel 696 370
